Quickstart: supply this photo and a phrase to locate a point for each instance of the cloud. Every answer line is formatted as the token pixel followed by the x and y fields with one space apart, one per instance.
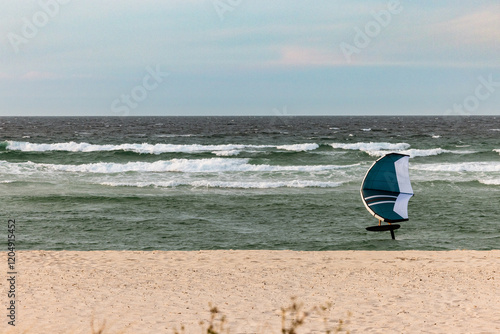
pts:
pixel 36 75
pixel 4 76
pixel 296 55
pixel 42 76
pixel 438 37
pixel 479 28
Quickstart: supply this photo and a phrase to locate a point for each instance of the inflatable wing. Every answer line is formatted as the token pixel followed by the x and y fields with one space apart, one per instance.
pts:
pixel 386 188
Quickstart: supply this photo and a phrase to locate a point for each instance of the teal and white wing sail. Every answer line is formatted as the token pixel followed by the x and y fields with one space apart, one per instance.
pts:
pixel 386 188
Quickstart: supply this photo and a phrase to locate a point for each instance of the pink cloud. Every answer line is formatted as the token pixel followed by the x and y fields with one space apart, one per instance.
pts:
pixel 36 75
pixel 304 56
pixel 478 28
pixel 4 76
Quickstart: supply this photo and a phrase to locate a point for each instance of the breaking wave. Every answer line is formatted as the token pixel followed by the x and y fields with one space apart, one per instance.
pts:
pixel 212 165
pixel 298 147
pixel 460 167
pixel 420 152
pixel 228 184
pixel 495 182
pixel 145 148
pixel 382 148
pixel 366 147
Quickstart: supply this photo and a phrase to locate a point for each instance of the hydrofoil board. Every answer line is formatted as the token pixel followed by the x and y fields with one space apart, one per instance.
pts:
pixel 380 228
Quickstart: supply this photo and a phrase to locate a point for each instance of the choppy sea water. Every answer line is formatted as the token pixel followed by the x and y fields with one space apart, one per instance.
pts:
pixel 190 183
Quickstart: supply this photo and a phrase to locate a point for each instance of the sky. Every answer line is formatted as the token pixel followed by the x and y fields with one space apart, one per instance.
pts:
pixel 249 57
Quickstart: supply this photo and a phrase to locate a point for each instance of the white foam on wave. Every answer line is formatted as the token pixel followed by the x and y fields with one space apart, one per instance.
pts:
pixel 32 147
pixel 420 152
pixel 228 153
pixel 146 148
pixel 229 184
pixel 174 165
pixel 137 148
pixel 158 184
pixel 382 148
pixel 298 147
pixel 212 165
pixel 494 182
pixel 460 167
pixel 366 147
pixel 19 168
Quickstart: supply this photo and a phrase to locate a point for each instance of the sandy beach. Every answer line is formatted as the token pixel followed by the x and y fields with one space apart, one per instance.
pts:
pixel 155 292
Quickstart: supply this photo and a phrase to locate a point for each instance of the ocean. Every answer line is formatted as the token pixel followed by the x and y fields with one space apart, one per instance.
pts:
pixel 204 183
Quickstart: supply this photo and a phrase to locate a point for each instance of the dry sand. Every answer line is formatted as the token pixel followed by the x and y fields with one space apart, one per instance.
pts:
pixel 154 292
